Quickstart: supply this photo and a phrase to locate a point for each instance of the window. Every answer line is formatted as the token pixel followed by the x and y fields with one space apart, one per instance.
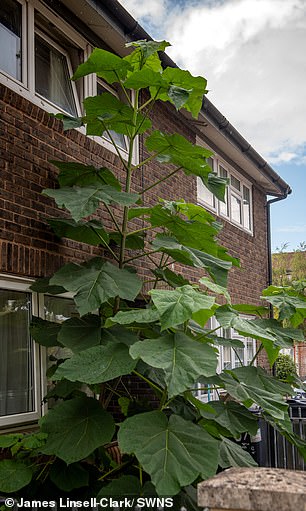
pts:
pixel 52 75
pixel 118 138
pixel 10 38
pixel 38 61
pixel 235 357
pixel 19 356
pixel 205 195
pixel 237 207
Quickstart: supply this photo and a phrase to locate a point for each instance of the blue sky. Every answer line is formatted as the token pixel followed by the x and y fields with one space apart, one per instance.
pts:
pixel 252 53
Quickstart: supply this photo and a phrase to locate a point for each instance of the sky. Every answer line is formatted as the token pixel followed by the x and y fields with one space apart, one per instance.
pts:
pixel 253 55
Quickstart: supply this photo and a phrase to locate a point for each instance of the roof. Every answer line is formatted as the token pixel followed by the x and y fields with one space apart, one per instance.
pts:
pixel 111 22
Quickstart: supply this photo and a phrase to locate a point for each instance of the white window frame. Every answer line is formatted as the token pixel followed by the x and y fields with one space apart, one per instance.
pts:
pixel 230 192
pixel 22 285
pixel 26 87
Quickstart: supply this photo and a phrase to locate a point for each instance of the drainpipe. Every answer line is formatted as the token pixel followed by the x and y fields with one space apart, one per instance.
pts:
pixel 269 202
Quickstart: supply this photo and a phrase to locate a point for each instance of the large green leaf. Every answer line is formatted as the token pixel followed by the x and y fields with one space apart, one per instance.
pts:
pixel 182 358
pixel 232 455
pixel 173 279
pixel 43 286
pixel 78 174
pixel 45 332
pixel 106 112
pixel 79 334
pixel 104 64
pixel 83 201
pixel 68 478
pixel 193 87
pixel 178 305
pixel 229 318
pixel 97 364
pixel 215 288
pixel 216 184
pixel 134 316
pixel 14 475
pixel 173 452
pixel 95 282
pixel 91 232
pixel 178 150
pixel 76 428
pixel 253 385
pixel 232 416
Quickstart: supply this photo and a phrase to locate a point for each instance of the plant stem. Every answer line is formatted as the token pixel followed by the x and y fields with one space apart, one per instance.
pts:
pixel 150 383
pixel 161 180
pixel 113 218
pixel 256 354
pixel 105 244
pixel 144 254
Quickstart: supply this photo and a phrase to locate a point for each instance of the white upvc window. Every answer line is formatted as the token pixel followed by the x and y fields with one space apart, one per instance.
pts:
pixel 20 357
pixel 237 205
pixel 236 357
pixel 37 61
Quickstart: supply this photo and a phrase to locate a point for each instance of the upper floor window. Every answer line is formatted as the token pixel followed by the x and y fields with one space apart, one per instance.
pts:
pixel 118 138
pixel 237 207
pixel 10 38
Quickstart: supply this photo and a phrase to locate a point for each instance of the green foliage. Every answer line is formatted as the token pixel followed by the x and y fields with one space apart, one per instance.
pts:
pixel 285 368
pixel 152 329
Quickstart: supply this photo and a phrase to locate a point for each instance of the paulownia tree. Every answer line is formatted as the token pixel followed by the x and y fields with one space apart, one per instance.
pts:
pixel 153 329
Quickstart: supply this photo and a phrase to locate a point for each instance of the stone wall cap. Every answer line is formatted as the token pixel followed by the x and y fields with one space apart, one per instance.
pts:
pixel 254 489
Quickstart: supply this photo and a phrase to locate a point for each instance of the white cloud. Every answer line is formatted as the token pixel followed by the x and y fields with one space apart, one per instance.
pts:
pixel 292 228
pixel 252 54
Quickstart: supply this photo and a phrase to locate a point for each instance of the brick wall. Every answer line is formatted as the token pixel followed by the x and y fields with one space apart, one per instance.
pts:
pixel 30 138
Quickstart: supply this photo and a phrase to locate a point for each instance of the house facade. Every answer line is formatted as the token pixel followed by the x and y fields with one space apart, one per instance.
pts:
pixel 45 42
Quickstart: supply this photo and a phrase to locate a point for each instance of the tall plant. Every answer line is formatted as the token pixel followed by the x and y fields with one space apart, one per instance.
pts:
pixel 151 328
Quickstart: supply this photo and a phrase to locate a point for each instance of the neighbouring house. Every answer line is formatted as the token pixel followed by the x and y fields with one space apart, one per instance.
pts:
pixel 44 42
pixel 288 267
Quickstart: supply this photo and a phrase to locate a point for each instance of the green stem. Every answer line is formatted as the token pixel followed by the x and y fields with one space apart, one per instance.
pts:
pixel 147 160
pixel 105 244
pixel 139 230
pixel 116 469
pixel 144 254
pixel 236 353
pixel 150 383
pixel 256 354
pixel 113 218
pixel 115 146
pixel 161 180
pixel 124 90
pixel 163 399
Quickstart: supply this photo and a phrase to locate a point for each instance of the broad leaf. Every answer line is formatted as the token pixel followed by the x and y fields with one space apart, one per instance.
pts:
pixel 14 475
pixel 172 278
pixel 182 358
pixel 229 318
pixel 82 202
pixel 145 55
pixel 74 173
pixel 106 112
pixel 215 288
pixel 68 478
pixel 95 282
pixel 76 428
pixel 63 389
pixel 91 232
pixel 174 453
pixel 79 334
pixel 44 286
pixel 97 364
pixel 70 122
pixel 232 416
pixel 45 332
pixel 178 150
pixel 134 316
pixel 178 79
pixel 232 455
pixel 124 486
pixel 177 306
pixel 104 64
pixel 10 439
pixel 133 241
pixel 216 184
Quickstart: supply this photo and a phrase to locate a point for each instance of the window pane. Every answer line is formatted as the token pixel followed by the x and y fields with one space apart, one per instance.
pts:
pixel 58 310
pixel 250 350
pixel 246 208
pixel 227 362
pixel 236 209
pixel 10 38
pixel 52 80
pixel 118 138
pixel 235 183
pixel 16 354
pixel 238 357
pixel 224 209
